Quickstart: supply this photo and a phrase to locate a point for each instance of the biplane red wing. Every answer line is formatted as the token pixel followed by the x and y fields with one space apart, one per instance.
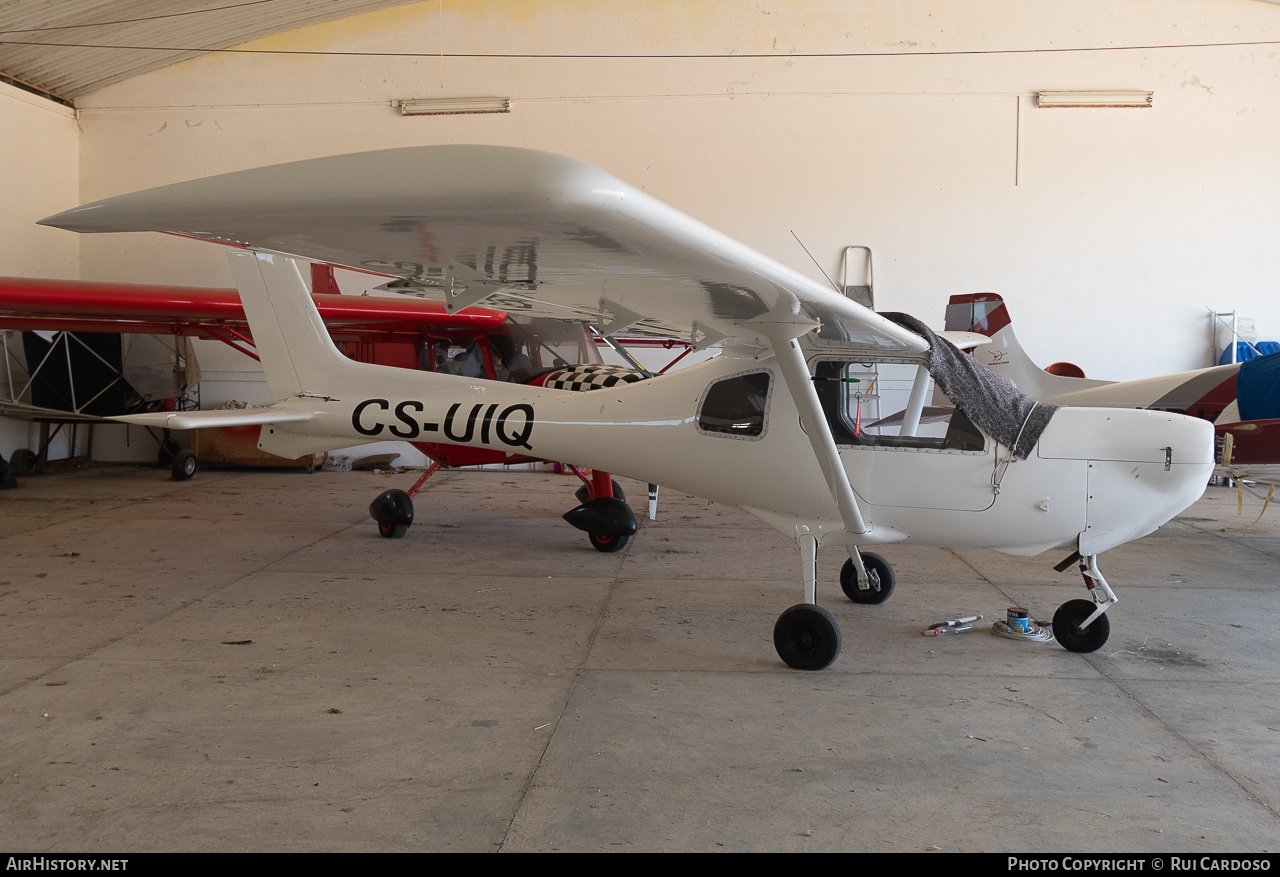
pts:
pixel 83 306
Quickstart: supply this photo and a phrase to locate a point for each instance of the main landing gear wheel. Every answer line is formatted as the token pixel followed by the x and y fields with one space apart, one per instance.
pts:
pixel 393 510
pixel 807 637
pixel 392 531
pixel 184 466
pixel 1066 626
pixel 608 544
pixel 874 564
pixel 24 462
pixel 608 522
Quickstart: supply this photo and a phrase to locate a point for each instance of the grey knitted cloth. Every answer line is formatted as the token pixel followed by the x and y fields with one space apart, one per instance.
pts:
pixel 987 399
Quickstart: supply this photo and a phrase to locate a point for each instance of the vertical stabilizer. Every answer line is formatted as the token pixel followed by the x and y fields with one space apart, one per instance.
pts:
pixel 986 314
pixel 278 306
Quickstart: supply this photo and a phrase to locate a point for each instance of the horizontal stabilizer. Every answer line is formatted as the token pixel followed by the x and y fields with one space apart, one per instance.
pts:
pixel 965 340
pixel 216 418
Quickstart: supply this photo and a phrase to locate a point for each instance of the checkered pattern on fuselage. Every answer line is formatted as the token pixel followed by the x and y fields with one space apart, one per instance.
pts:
pixel 591 377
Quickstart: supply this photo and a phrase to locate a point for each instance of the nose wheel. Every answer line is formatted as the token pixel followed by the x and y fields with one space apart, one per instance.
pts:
pixel 1068 627
pixel 1080 625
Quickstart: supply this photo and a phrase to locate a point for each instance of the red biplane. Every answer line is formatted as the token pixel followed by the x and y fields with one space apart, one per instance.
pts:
pixel 394 330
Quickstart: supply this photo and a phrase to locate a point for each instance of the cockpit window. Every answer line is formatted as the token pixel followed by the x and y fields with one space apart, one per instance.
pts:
pixel 736 406
pixel 516 352
pixel 869 405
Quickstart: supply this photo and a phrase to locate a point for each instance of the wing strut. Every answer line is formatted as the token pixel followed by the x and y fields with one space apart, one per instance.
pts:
pixel 623 352
pixel 915 405
pixel 796 374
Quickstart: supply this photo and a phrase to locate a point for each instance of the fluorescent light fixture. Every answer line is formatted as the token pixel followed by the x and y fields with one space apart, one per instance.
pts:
pixel 454 106
pixel 1134 99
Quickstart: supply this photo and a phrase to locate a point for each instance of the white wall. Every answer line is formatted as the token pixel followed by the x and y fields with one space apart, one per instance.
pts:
pixel 1107 230
pixel 39 176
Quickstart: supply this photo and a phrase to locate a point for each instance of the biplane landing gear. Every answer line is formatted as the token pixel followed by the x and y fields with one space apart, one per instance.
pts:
pixel 24 462
pixel 599 541
pixel 879 579
pixel 392 531
pixel 608 544
pixel 1080 625
pixel 607 520
pixel 807 637
pixel 184 466
pixel 393 510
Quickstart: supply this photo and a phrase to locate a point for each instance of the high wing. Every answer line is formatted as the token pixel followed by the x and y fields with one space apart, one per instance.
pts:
pixel 511 228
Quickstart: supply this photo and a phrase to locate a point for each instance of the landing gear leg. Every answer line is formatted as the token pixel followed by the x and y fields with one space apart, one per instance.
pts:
pixel 1080 625
pixel 806 636
pixel 603 513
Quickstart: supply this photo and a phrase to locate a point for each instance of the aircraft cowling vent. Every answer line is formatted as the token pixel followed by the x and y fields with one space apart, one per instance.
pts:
pixel 604 516
pixel 392 507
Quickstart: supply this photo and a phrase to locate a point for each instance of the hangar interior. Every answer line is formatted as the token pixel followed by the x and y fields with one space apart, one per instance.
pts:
pixel 238 662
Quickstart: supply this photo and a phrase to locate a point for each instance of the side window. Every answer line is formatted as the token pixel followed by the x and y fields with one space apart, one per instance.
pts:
pixel 874 413
pixel 736 406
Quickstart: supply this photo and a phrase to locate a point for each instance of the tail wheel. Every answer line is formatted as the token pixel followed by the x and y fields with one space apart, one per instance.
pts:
pixel 608 544
pixel 392 531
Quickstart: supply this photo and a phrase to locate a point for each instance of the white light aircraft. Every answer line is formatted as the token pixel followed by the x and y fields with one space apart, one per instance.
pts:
pixel 764 427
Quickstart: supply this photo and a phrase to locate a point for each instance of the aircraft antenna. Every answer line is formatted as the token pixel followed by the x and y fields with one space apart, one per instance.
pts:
pixel 815 262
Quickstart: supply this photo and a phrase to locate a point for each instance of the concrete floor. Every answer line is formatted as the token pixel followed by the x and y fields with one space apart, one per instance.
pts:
pixel 239 662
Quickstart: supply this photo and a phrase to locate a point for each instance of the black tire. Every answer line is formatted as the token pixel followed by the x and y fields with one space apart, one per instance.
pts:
pixel 24 462
pixel 874 563
pixel 807 637
pixel 184 466
pixel 392 510
pixel 1066 627
pixel 392 531
pixel 608 544
pixel 169 450
pixel 583 493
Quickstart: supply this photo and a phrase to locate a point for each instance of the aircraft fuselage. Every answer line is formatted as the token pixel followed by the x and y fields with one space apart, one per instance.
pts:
pixel 1098 478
